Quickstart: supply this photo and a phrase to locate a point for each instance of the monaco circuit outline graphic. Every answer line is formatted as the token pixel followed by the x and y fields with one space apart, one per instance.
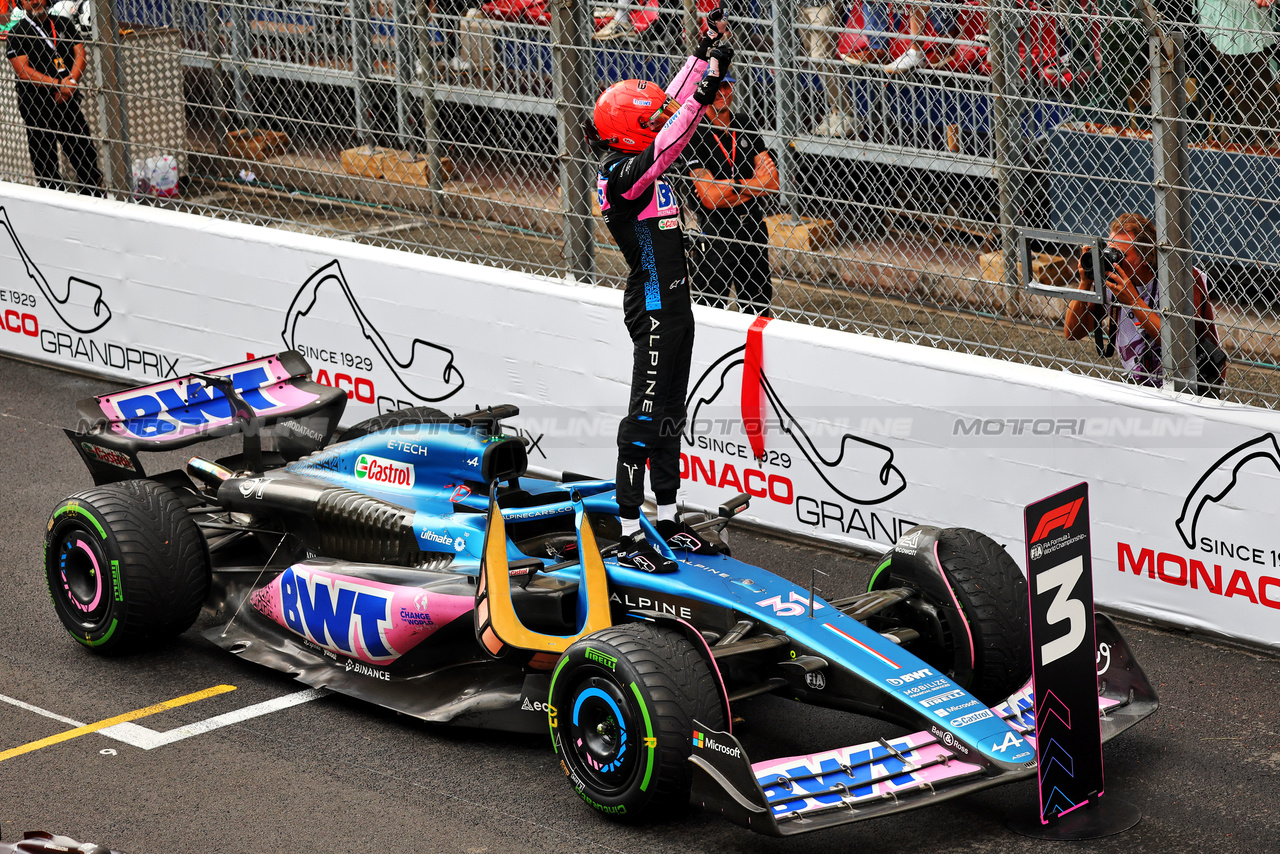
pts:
pixel 101 311
pixel 305 300
pixel 1211 489
pixel 889 480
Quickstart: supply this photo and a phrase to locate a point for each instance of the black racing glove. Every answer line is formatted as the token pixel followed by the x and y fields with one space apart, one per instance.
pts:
pixel 706 91
pixel 711 36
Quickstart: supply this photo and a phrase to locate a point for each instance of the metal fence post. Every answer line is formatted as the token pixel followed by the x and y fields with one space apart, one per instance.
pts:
pixel 573 69
pixel 786 105
pixel 430 117
pixel 1006 130
pixel 240 52
pixel 690 17
pixel 360 67
pixel 112 105
pixel 405 55
pixel 1172 212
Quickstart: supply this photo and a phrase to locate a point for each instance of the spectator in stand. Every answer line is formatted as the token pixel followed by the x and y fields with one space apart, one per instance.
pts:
pixel 731 171
pixel 1242 38
pixel 819 23
pixel 48 62
pixel 881 23
pixel 1132 305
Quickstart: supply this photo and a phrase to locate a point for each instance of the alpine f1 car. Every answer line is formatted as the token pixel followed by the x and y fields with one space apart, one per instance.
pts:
pixel 419 564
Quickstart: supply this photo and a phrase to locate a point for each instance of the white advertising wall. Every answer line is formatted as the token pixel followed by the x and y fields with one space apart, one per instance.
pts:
pixel 863 438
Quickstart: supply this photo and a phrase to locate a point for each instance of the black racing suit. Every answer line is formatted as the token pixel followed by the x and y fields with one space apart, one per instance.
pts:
pixel 643 215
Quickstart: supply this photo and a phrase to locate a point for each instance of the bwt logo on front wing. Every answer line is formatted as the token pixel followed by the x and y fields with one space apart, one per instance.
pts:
pixel 384 472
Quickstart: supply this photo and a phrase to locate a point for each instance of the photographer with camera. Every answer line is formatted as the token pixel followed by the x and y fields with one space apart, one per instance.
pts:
pixel 1130 310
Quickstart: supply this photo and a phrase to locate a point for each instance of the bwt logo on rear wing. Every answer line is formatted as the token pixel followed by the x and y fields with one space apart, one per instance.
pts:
pixel 271 391
pixel 189 405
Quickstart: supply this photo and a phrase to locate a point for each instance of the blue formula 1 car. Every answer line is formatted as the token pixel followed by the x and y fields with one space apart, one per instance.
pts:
pixel 418 564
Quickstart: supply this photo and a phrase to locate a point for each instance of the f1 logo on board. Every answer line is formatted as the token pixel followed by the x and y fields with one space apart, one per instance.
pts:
pixel 1062 517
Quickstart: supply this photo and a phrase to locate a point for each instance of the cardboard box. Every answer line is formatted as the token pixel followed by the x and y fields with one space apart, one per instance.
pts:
pixel 405 168
pixel 256 144
pixel 804 234
pixel 365 161
pixel 1046 269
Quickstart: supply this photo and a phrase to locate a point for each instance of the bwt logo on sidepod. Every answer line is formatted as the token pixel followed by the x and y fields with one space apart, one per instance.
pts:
pixel 384 472
pixel 338 614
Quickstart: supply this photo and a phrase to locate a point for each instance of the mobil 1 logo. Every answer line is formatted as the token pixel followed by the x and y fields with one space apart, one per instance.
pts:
pixel 1060 589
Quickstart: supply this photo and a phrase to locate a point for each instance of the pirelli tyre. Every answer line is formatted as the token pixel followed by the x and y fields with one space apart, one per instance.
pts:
pixel 623 701
pixel 126 565
pixel 986 648
pixel 399 418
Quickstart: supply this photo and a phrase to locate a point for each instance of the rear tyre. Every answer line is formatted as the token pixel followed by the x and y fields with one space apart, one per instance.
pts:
pixel 992 595
pixel 399 418
pixel 126 566
pixel 623 701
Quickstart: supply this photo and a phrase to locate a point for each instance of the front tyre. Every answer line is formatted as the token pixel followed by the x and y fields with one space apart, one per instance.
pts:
pixel 986 647
pixel 126 565
pixel 623 701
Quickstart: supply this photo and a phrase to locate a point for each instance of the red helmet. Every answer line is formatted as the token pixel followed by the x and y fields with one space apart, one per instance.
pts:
pixel 630 113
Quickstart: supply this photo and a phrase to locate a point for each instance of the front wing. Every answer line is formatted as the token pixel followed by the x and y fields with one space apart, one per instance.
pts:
pixel 797 794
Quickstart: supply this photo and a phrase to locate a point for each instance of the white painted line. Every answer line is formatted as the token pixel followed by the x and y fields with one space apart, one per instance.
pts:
pixel 141 737
pixel 149 739
pixel 39 711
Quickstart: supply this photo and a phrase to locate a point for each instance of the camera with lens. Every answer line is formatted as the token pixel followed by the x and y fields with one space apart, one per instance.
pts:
pixel 1109 256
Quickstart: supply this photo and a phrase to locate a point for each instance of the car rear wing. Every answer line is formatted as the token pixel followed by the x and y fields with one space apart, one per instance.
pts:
pixel 270 393
pixel 797 794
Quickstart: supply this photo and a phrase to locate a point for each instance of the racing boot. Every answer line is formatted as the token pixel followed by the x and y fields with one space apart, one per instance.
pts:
pixel 634 551
pixel 679 535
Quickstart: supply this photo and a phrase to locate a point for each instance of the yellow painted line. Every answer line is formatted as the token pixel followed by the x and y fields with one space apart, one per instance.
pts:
pixel 118 719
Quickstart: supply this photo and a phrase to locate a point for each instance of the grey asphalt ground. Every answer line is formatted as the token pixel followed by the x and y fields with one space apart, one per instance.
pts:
pixel 337 775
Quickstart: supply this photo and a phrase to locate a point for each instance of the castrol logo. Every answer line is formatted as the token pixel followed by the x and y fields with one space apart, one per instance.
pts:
pixel 384 472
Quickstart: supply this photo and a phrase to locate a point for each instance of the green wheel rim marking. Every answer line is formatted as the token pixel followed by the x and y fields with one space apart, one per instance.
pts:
pixel 100 640
pixel 67 508
pixel 551 692
pixel 879 569
pixel 648 732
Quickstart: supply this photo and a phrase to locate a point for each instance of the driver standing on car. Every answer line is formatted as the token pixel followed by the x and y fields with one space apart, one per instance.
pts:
pixel 641 130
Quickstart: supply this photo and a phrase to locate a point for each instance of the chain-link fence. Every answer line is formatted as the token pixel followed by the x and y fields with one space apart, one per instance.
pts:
pixel 939 168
